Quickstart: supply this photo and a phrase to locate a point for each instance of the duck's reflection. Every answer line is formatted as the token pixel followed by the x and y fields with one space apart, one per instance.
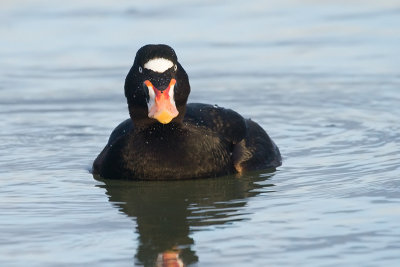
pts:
pixel 167 212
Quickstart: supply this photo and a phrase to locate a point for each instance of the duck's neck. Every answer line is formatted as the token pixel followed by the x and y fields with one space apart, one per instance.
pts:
pixel 158 128
pixel 142 121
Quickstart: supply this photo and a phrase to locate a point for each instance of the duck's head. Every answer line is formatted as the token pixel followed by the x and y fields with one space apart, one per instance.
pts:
pixel 156 87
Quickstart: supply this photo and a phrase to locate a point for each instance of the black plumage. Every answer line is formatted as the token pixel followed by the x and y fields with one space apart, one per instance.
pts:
pixel 201 141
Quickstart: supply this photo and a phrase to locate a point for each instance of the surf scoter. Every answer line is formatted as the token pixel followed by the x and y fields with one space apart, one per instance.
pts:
pixel 165 138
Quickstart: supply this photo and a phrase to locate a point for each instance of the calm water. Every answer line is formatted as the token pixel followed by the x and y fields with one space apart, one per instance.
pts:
pixel 322 77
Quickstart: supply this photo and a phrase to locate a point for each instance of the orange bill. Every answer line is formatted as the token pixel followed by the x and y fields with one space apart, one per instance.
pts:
pixel 161 105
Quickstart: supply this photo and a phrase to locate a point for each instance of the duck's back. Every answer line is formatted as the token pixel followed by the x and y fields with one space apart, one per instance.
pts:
pixel 252 148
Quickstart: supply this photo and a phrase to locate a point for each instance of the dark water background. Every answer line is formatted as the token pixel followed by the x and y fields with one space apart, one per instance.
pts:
pixel 322 77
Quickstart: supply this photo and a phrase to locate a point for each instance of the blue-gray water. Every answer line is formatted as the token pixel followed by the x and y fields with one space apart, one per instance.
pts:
pixel 322 77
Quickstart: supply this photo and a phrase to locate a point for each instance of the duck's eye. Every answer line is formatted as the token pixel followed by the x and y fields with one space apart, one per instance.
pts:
pixel 140 69
pixel 175 67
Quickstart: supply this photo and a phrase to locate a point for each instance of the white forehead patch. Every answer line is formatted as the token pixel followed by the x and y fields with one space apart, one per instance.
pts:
pixel 158 64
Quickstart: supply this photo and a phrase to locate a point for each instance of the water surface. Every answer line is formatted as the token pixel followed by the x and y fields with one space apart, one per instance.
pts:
pixel 321 77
